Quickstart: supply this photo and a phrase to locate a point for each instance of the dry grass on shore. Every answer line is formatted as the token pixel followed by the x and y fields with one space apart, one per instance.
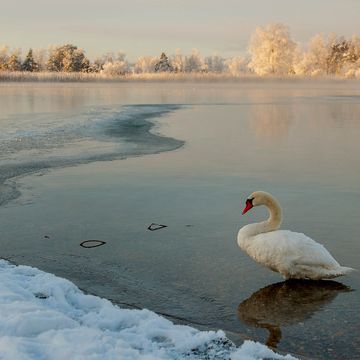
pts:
pixel 20 76
pixel 14 76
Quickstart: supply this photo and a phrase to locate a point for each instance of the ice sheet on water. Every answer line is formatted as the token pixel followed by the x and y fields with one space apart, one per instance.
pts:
pixel 38 132
pixel 46 317
pixel 48 141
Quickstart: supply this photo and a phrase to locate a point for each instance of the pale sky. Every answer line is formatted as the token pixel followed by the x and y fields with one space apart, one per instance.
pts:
pixel 149 27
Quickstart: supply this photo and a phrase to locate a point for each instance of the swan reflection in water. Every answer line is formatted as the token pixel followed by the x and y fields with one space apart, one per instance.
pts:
pixel 287 303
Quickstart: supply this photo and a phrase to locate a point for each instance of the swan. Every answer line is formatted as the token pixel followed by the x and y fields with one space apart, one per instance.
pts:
pixel 293 255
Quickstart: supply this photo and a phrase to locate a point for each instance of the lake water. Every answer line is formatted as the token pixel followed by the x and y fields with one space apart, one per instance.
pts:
pixel 104 161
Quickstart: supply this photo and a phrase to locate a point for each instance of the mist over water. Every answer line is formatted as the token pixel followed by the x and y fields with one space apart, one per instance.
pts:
pixel 297 140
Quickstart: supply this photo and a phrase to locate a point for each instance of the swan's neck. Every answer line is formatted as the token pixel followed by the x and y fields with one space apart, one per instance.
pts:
pixel 275 216
pixel 271 224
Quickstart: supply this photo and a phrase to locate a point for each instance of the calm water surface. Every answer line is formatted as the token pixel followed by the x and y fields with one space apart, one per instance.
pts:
pixel 187 155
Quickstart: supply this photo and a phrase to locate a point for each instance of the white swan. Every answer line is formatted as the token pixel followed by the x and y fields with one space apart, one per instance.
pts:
pixel 293 255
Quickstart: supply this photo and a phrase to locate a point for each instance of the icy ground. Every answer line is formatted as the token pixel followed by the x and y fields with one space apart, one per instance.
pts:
pixel 46 317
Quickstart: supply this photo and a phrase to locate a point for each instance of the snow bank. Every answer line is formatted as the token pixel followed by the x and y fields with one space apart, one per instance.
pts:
pixel 46 317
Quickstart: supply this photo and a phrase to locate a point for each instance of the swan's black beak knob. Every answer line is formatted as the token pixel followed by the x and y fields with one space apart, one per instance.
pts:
pixel 248 206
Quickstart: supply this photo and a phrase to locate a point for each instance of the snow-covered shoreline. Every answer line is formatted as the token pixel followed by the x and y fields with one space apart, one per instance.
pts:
pixel 43 316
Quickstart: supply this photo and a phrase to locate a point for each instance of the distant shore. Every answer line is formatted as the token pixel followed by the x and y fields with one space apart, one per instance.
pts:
pixel 21 76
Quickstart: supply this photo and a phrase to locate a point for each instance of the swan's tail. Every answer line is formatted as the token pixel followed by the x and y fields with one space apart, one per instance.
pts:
pixel 346 270
pixel 340 271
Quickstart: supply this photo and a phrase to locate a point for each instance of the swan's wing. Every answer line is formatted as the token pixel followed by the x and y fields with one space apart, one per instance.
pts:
pixel 296 249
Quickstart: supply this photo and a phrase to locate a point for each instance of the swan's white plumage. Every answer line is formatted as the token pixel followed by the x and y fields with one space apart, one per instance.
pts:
pixel 292 254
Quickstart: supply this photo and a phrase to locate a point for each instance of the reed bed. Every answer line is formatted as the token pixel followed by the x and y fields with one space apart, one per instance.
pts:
pixel 21 76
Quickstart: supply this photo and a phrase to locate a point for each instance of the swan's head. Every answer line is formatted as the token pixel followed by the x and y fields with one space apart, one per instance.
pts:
pixel 257 198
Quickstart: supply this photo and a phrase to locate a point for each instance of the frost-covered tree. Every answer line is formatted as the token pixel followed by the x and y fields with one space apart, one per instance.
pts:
pixel 67 58
pixel 178 61
pixel 75 61
pixel 163 65
pixel 112 57
pixel 29 63
pixel 115 64
pixel 237 65
pixel 339 56
pixel 4 57
pixel 272 50
pixel 195 62
pixel 109 57
pixel 313 62
pixel 351 58
pixel 352 67
pixel 215 63
pixel 98 64
pixel 145 64
pixel 40 57
pixel 117 68
pixel 14 61
pixel 56 56
pixel 354 49
pixel 327 55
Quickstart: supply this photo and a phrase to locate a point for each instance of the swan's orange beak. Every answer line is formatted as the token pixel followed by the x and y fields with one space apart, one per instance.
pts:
pixel 248 206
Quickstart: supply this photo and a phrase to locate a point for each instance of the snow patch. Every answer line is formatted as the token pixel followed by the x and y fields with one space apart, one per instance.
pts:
pixel 46 317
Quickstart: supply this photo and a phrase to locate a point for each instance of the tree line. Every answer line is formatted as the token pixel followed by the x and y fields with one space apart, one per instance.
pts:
pixel 271 51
